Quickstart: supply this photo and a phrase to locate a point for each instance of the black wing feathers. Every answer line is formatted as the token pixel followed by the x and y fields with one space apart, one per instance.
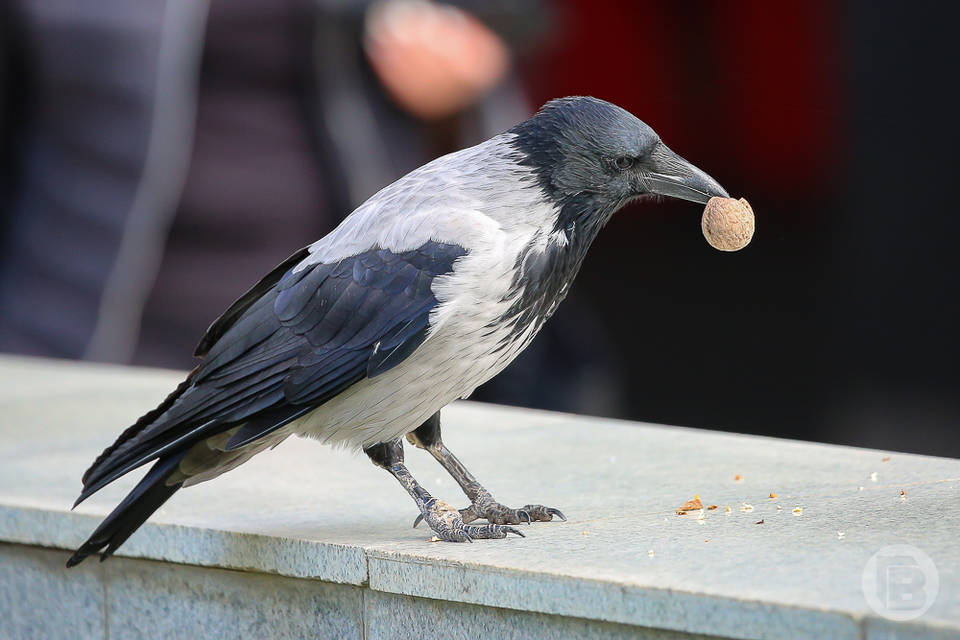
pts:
pixel 287 346
pixel 138 426
pixel 148 496
pixel 226 320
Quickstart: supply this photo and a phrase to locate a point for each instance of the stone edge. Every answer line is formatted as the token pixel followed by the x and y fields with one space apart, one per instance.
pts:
pixel 502 587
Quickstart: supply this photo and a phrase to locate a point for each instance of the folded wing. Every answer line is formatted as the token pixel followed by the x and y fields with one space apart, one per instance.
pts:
pixel 301 336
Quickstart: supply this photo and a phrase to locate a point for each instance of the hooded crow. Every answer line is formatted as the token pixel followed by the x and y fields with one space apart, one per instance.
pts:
pixel 427 290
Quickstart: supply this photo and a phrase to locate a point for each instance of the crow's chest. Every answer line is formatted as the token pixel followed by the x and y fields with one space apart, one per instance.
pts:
pixel 542 279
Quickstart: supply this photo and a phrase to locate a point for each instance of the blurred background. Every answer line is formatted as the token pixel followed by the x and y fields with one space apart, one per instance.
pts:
pixel 157 158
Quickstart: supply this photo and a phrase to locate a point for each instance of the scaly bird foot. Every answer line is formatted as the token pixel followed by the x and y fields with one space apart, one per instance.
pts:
pixel 449 525
pixel 484 506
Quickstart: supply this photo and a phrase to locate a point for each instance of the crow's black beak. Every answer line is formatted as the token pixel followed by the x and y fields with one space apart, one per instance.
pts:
pixel 667 174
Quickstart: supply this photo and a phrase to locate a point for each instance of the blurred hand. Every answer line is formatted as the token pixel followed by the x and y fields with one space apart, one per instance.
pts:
pixel 433 59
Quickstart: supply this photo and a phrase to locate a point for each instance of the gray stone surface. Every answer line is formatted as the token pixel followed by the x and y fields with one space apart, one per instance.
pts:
pixel 307 511
pixel 132 599
pixel 39 602
pixel 161 600
pixel 886 630
pixel 390 616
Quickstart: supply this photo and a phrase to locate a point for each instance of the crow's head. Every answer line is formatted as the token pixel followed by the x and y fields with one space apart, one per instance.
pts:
pixel 592 151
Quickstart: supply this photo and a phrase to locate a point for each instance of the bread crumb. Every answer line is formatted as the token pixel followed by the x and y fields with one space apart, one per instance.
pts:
pixel 690 505
pixel 711 507
pixel 650 553
pixel 738 478
pixel 773 496
pixel 434 539
pixel 747 508
pixel 758 522
pixel 874 477
pixel 798 511
pixel 885 459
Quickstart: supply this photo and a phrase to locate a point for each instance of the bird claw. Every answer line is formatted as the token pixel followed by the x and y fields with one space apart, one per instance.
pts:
pixel 467 532
pixel 484 506
pixel 537 513
pixel 545 514
pixel 488 531
pixel 448 524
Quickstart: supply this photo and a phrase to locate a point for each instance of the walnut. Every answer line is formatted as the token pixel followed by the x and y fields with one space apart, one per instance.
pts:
pixel 728 224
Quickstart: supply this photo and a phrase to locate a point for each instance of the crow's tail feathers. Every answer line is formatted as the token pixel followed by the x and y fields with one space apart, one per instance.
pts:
pixel 146 497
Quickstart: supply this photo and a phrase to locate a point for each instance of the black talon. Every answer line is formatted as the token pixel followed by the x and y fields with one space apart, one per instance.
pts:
pixel 418 521
pixel 512 530
pixel 558 513
pixel 523 514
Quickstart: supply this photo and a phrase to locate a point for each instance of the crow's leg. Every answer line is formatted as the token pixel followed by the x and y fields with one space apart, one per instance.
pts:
pixel 482 504
pixel 445 520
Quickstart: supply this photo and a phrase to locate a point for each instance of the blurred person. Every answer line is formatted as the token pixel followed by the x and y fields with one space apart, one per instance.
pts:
pixel 162 156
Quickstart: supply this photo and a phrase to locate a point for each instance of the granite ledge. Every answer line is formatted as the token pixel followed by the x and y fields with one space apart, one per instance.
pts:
pixel 306 511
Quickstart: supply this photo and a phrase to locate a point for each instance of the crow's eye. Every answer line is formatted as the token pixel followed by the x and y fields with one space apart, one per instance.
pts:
pixel 623 162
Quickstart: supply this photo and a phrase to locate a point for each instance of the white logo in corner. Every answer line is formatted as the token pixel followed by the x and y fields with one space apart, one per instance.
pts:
pixel 900 582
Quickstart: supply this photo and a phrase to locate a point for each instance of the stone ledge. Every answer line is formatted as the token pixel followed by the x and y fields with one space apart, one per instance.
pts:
pixel 128 598
pixel 304 511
